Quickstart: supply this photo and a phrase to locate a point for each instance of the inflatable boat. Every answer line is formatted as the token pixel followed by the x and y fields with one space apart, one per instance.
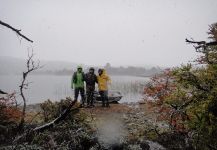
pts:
pixel 113 96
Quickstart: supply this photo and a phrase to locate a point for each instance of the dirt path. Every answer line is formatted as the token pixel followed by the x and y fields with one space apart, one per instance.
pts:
pixel 109 124
pixel 122 123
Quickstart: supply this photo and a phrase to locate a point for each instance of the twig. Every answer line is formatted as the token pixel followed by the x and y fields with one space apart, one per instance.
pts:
pixel 15 30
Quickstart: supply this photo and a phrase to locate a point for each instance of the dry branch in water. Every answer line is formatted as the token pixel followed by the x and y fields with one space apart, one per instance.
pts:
pixel 15 30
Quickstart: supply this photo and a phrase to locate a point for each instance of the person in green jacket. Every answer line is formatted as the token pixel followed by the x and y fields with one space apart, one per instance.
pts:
pixel 78 79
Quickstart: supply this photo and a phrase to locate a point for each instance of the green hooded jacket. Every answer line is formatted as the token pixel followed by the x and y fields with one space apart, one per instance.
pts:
pixel 78 79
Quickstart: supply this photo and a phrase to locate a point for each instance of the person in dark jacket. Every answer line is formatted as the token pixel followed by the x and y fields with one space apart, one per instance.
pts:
pixel 78 79
pixel 90 79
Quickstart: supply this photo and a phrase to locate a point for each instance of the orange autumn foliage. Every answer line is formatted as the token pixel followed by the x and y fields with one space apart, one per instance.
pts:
pixel 157 91
pixel 9 112
pixel 12 114
pixel 161 86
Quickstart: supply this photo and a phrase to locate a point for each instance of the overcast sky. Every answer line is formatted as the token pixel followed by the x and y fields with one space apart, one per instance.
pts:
pixel 94 32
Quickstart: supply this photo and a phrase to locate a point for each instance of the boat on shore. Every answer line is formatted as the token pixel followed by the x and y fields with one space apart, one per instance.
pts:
pixel 113 96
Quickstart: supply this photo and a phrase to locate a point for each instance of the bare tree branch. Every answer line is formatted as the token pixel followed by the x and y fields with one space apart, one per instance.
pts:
pixel 201 44
pixel 15 30
pixel 30 64
pixel 2 92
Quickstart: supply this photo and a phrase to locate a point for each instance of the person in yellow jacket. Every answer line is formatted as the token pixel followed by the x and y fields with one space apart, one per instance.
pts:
pixel 103 81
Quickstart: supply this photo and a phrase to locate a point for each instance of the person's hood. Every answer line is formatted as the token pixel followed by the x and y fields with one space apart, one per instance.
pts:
pixel 79 67
pixel 104 72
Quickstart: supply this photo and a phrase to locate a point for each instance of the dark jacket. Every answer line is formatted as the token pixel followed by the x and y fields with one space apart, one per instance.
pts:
pixel 90 80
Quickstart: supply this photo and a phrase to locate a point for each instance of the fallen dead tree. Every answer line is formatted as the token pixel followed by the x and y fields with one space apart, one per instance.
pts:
pixel 61 117
pixel 30 133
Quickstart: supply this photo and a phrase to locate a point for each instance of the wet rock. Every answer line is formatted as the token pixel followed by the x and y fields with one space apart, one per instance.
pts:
pixel 155 145
pixel 175 140
pixel 134 147
pixel 117 147
pixel 144 146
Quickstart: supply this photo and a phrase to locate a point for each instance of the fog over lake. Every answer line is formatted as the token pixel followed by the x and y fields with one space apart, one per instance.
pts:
pixel 121 32
pixel 43 87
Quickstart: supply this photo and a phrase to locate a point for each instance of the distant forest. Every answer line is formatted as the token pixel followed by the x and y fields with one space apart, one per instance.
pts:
pixel 15 66
pixel 130 70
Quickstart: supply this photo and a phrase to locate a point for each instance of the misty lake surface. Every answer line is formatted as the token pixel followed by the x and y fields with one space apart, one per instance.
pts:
pixel 53 87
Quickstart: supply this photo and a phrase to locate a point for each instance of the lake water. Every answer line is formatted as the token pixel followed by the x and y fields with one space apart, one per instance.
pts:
pixel 43 87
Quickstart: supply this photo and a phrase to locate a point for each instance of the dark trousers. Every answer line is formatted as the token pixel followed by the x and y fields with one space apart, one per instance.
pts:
pixel 104 97
pixel 90 93
pixel 81 91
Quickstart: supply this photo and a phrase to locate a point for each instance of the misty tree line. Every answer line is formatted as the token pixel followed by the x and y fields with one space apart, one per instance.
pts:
pixel 131 71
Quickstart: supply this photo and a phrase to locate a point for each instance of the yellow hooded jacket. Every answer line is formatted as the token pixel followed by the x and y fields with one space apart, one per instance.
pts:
pixel 103 81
